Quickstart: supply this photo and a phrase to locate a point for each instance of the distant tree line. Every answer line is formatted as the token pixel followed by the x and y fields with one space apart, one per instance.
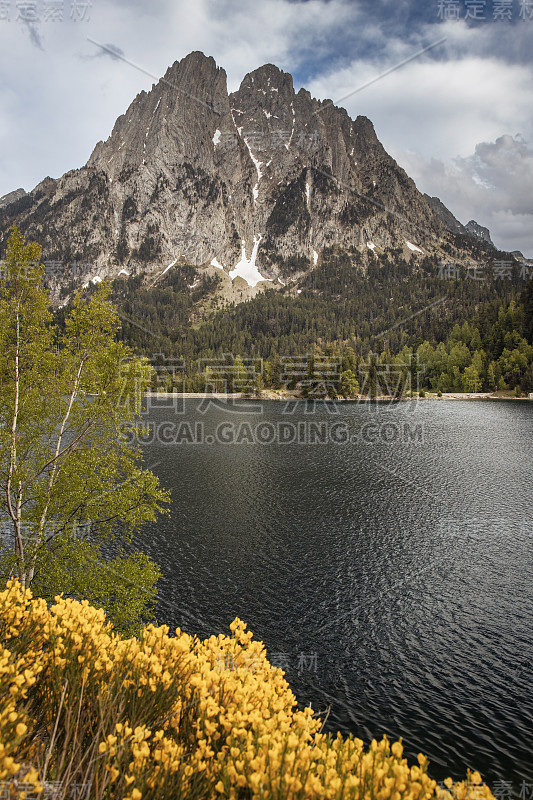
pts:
pixel 347 321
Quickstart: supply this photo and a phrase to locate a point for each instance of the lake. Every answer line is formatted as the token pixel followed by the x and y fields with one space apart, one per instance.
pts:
pixel 383 554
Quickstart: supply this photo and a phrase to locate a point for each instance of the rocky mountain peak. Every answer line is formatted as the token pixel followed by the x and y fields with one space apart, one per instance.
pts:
pixel 198 79
pixel 258 182
pixel 11 197
pixel 173 122
pixel 479 231
pixel 268 78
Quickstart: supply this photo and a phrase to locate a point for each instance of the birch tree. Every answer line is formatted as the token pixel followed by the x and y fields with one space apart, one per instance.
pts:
pixel 65 397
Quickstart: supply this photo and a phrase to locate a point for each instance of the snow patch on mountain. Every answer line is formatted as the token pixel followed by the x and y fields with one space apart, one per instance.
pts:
pixel 413 247
pixel 95 280
pixel 246 268
pixel 258 164
pixel 167 268
pixel 293 124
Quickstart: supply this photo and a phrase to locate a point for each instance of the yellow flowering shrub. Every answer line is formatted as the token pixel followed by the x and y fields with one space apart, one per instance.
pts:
pixel 173 717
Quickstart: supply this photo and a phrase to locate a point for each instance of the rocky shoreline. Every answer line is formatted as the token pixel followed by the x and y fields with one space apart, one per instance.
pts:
pixel 286 395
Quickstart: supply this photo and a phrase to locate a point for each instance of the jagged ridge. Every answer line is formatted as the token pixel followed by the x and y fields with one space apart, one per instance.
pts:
pixel 191 173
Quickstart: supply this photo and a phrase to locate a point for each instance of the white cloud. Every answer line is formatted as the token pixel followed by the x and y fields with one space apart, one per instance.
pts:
pixel 437 108
pixel 504 168
pixel 431 116
pixel 59 101
pixel 492 186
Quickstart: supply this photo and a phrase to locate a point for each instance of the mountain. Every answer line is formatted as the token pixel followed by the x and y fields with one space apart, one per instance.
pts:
pixel 10 197
pixel 251 185
pixel 472 229
pixel 478 230
pixel 446 216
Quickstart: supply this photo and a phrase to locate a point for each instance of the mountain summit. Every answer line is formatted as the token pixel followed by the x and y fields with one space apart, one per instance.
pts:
pixel 257 183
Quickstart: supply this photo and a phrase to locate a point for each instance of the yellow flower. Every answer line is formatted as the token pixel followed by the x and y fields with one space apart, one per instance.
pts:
pixel 114 773
pixel 228 718
pixel 397 749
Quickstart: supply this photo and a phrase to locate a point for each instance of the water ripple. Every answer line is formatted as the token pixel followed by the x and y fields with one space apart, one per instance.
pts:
pixel 395 579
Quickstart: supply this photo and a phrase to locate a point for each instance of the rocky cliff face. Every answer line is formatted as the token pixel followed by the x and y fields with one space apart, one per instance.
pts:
pixel 257 183
pixel 11 197
pixel 477 230
pixel 446 215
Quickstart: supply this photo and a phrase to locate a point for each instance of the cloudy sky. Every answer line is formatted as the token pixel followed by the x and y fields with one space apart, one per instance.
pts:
pixel 457 117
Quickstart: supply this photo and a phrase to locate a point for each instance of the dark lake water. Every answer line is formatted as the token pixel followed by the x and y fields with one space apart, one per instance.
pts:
pixel 390 575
